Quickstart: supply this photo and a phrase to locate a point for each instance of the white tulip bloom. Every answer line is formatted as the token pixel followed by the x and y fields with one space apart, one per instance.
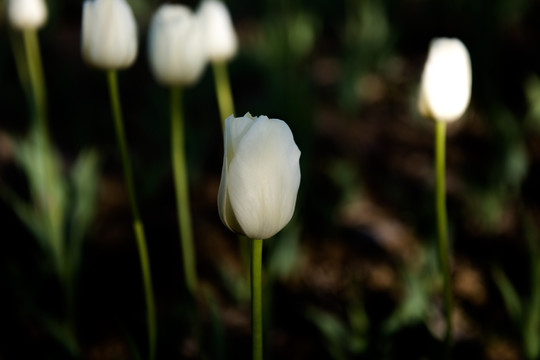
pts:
pixel 109 34
pixel 27 14
pixel 260 176
pixel 175 46
pixel 446 81
pixel 220 37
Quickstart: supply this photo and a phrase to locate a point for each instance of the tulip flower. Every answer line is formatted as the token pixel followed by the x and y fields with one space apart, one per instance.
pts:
pixel 176 50
pixel 260 176
pixel 445 93
pixel 221 45
pixel 446 81
pixel 257 194
pixel 220 37
pixel 27 14
pixel 109 34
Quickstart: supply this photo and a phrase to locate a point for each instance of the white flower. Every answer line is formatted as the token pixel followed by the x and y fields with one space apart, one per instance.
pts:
pixel 27 14
pixel 109 34
pixel 220 37
pixel 260 176
pixel 446 82
pixel 175 48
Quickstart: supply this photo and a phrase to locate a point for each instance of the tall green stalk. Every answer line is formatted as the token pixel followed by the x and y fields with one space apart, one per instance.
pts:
pixel 531 320
pixel 223 91
pixel 442 226
pixel 256 299
pixel 182 193
pixel 37 79
pixel 137 222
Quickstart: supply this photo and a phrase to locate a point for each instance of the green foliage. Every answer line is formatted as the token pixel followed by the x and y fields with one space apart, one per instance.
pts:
pixel 61 207
pixel 525 312
pixel 343 340
pixel 421 283
pixel 284 251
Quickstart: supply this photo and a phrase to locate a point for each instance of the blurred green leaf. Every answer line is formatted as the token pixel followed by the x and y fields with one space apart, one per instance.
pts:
pixel 532 319
pixel 359 327
pixel 509 294
pixel 47 193
pixel 84 187
pixel 335 333
pixel 284 251
pixel 532 93
pixel 420 282
pixel 26 214
pixel 217 346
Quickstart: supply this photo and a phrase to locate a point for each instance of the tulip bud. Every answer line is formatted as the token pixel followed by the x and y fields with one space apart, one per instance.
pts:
pixel 175 48
pixel 27 14
pixel 446 82
pixel 109 34
pixel 260 176
pixel 220 37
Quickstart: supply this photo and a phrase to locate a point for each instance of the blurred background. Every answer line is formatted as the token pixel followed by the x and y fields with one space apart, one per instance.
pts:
pixel 354 275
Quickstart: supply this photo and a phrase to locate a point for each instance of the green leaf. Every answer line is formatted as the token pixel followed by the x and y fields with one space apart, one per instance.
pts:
pixel 283 254
pixel 509 294
pixel 333 330
pixel 84 188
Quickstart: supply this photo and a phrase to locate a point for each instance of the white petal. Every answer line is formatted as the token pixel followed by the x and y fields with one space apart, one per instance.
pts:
pixel 176 50
pixel 263 178
pixel 27 14
pixel 87 16
pixel 220 37
pixel 109 34
pixel 446 81
pixel 235 128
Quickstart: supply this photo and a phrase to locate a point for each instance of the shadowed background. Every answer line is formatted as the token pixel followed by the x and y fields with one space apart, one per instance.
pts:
pixel 354 274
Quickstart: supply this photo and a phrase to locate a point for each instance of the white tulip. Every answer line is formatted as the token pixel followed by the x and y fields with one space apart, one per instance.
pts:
pixel 220 37
pixel 175 47
pixel 109 34
pixel 27 14
pixel 260 176
pixel 446 82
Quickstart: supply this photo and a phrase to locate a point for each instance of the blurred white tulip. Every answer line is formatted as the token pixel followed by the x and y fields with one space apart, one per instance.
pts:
pixel 219 35
pixel 175 46
pixel 27 14
pixel 446 81
pixel 109 34
pixel 260 176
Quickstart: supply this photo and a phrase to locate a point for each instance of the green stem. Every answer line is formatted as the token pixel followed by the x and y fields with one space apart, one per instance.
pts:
pixel 137 222
pixel 444 255
pixel 182 193
pixel 256 298
pixel 37 80
pixel 223 91
pixel 532 314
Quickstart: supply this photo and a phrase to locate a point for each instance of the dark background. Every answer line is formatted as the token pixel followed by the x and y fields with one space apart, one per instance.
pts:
pixel 355 274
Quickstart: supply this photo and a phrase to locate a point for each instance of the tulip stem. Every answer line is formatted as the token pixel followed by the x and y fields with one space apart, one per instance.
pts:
pixel 256 299
pixel 137 222
pixel 182 193
pixel 37 79
pixel 223 91
pixel 442 227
